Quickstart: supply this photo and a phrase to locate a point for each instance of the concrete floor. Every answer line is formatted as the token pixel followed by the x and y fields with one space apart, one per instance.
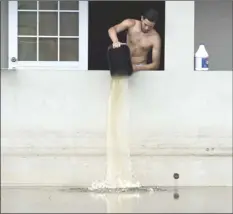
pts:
pixel 65 200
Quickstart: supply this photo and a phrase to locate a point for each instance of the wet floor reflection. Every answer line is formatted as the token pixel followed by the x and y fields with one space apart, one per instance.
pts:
pixel 118 203
pixel 70 200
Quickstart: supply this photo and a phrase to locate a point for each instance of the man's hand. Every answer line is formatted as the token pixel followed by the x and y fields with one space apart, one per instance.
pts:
pixel 136 68
pixel 116 44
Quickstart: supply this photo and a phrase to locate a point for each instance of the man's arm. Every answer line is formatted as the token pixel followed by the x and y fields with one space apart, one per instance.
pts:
pixel 113 31
pixel 156 51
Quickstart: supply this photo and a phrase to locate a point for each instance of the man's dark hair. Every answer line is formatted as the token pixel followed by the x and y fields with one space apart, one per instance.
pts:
pixel 151 14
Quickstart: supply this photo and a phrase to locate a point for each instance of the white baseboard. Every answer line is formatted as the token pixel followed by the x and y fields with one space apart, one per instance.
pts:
pixel 94 145
pixel 135 151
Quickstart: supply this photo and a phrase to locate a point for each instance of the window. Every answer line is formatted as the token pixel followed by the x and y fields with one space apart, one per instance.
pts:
pixel 49 32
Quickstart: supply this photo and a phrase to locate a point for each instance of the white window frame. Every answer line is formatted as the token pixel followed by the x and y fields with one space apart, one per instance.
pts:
pixel 82 64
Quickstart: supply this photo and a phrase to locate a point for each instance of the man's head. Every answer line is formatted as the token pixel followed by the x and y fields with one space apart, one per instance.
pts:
pixel 148 20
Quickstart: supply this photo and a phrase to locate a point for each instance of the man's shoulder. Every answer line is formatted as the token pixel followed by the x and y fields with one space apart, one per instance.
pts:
pixel 155 36
pixel 132 22
pixel 155 39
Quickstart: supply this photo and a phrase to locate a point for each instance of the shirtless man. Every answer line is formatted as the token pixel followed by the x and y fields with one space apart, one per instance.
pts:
pixel 141 38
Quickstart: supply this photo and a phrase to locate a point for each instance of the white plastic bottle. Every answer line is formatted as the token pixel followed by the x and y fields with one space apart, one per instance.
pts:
pixel 201 59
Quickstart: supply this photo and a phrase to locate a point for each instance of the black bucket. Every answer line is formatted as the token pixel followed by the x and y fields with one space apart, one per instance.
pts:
pixel 119 61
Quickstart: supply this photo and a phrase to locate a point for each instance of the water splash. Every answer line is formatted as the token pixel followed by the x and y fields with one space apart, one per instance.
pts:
pixel 127 190
pixel 104 185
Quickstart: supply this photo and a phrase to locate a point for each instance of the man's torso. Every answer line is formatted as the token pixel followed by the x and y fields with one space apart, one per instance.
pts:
pixel 139 43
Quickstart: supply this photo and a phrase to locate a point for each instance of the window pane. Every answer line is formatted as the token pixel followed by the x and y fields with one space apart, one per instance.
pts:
pixel 27 23
pixel 69 49
pixel 26 49
pixel 27 5
pixel 69 5
pixel 48 23
pixel 69 24
pixel 48 5
pixel 47 49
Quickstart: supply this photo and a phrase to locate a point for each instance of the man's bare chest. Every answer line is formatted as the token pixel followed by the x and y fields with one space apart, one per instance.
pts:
pixel 138 40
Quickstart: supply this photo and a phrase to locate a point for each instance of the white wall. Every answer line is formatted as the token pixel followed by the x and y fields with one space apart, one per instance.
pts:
pixel 71 103
pixel 54 122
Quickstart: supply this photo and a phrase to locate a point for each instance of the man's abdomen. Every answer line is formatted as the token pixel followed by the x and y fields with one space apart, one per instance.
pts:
pixel 138 55
pixel 138 60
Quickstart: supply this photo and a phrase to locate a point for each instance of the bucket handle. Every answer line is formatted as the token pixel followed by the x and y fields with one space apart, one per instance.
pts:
pixel 110 46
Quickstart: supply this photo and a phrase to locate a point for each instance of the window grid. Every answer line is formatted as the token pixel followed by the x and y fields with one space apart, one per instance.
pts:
pixel 38 36
pixel 37 32
pixel 58 31
pixel 45 11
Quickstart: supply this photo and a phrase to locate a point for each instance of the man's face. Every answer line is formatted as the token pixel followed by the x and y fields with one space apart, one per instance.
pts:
pixel 146 25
